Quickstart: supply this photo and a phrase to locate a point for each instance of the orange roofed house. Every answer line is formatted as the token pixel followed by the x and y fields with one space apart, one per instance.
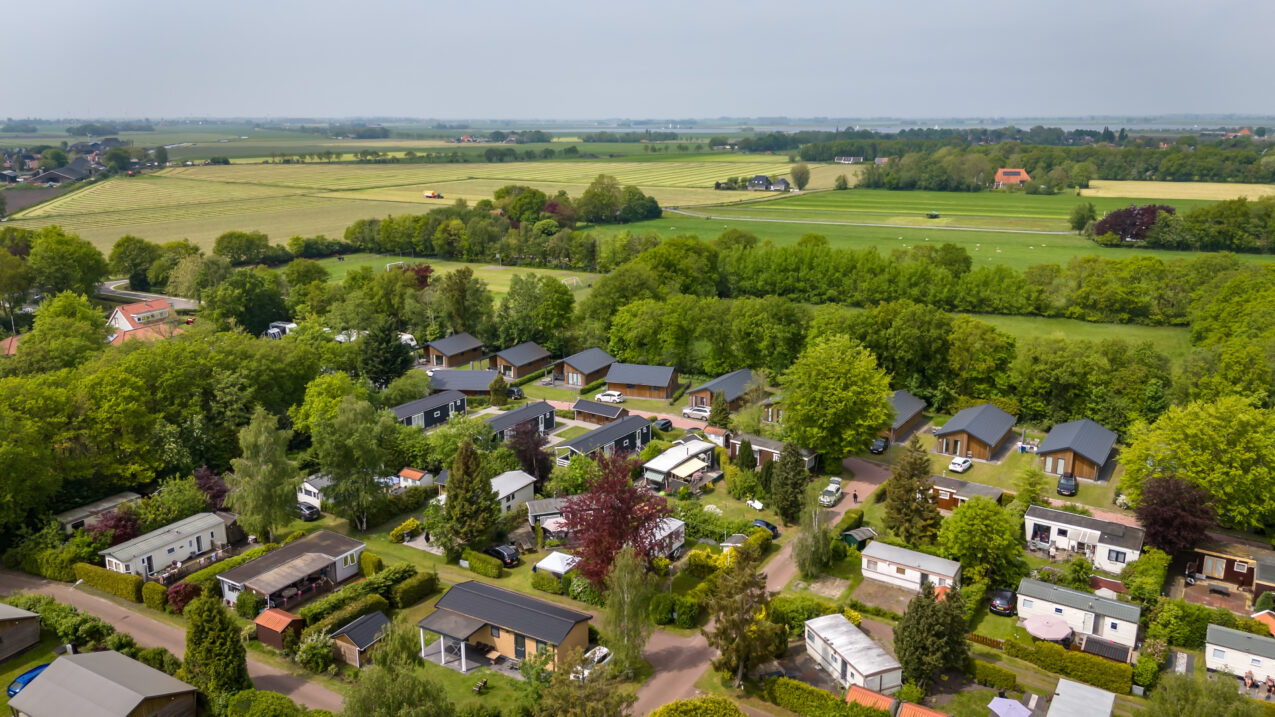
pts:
pixel 1009 177
pixel 145 320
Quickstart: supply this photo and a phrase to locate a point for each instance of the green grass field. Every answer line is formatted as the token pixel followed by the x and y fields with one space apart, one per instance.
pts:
pixel 498 278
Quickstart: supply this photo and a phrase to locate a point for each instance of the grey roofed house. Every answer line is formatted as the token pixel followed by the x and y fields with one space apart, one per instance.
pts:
pixel 364 631
pixel 97 507
pixel 732 385
pixel 1073 699
pixel 543 509
pixel 589 360
pixel 608 410
pixel 1059 595
pixel 429 403
pixel 640 374
pixel 441 478
pixel 524 353
pixel 768 444
pixel 905 407
pixel 544 621
pixel 461 380
pixel 966 489
pixel 924 562
pixel 1239 640
pixel 987 423
pixel 867 656
pixel 602 435
pixel 455 344
pixel 1114 534
pixel 321 542
pixel 1085 437
pixel 502 422
pixel 197 524
pixel 98 684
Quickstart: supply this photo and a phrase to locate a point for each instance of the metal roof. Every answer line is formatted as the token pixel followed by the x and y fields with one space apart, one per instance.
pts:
pixel 462 380
pixel 607 410
pixel 545 506
pixel 1117 534
pixel 455 344
pixel 97 506
pixel 1072 699
pixel 1265 572
pixel 905 407
pixel 640 374
pixel 510 482
pixel 452 624
pixel 769 445
pixel 602 435
pixel 183 529
pixel 323 542
pixel 1245 642
pixel 544 621
pixel 1079 600
pixel 589 360
pixel 987 423
pixel 678 454
pixel 1085 437
pixel 290 572
pixel 9 612
pixel 503 421
pixel 366 630
pixel 862 652
pixel 966 489
pixel 94 684
pixel 732 385
pixel 429 403
pixel 524 353
pixel 924 562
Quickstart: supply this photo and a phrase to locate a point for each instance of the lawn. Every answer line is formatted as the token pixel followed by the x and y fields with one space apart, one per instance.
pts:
pixel 498 278
pixel 969 704
pixel 998 626
pixel 571 432
pixel 39 654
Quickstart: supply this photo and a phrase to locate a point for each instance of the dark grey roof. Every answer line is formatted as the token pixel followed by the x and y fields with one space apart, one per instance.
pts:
pixel 1116 534
pixel 609 410
pixel 319 481
pixel 545 506
pixel 590 360
pixel 322 542
pixel 987 423
pixel 455 344
pixel 1081 601
pixel 1265 572
pixel 461 380
pixel 602 435
pixel 523 353
pixel 441 478
pixel 1243 641
pixel 9 612
pixel 509 419
pixel 640 374
pixel 366 630
pixel 429 403
pixel 905 407
pixel 514 611
pixel 966 489
pixel 732 385
pixel 94 684
pixel 1085 437
pixel 769 444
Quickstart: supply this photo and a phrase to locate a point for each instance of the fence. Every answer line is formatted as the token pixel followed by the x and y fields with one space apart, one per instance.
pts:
pixel 984 640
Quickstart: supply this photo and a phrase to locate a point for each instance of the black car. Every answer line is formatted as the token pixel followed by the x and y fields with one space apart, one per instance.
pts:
pixel 308 512
pixel 506 554
pixel 1067 485
pixel 878 446
pixel 514 392
pixel 1004 602
pixel 663 424
pixel 759 523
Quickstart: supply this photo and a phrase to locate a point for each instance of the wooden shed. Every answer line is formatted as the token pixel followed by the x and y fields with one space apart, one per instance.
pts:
pixel 19 629
pixel 272 624
pixel 352 641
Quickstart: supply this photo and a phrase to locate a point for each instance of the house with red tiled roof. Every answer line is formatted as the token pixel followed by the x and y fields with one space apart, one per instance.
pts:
pixel 146 320
pixel 1010 177
pixel 873 700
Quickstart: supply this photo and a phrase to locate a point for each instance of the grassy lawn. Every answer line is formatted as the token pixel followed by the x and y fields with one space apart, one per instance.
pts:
pixel 38 654
pixel 749 695
pixel 999 627
pixel 969 704
pixel 571 432
pixel 684 582
pixel 498 278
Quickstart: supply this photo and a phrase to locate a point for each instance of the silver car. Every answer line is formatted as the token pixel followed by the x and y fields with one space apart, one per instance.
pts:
pixel 698 412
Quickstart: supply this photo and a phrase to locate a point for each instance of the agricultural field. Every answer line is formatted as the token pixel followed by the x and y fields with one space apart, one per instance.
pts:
pixel 498 278
pixel 1160 191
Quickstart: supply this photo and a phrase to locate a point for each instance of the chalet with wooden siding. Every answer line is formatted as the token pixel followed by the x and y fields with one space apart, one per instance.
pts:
pixel 352 641
pixel 734 386
pixel 1236 563
pixel 19 629
pixel 540 415
pixel 581 369
pixel 642 381
pixel 453 351
pixel 950 493
pixel 1080 448
pixel 772 409
pixel 767 450
pixel 431 410
pixel 470 383
pixel 103 684
pixel 520 361
pixel 626 435
pixel 976 432
pixel 598 413
pixel 907 414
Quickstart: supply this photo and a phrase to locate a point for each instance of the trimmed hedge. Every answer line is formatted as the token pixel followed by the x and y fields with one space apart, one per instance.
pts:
pixel 593 386
pixel 677 395
pixel 792 611
pixel 702 563
pixel 294 535
pixel 380 584
pixel 531 377
pixel 413 590
pixel 365 605
pixel 155 596
pixel 994 676
pixel 206 578
pixel 546 582
pixel 249 604
pixel 125 585
pixel 705 706
pixel 873 610
pixel 852 519
pixel 1090 669
pixel 411 526
pixel 813 702
pixel 370 564
pixel 483 564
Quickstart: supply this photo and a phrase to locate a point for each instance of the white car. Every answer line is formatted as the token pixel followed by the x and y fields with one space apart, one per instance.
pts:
pixel 609 397
pixel 594 659
pixel 960 465
pixel 700 412
pixel 830 495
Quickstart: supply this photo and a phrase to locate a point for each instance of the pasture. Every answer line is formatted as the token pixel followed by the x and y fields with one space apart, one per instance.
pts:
pixel 1159 191
pixel 498 278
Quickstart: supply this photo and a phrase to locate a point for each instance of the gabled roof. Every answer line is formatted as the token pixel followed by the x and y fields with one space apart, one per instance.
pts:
pixel 606 410
pixel 94 684
pixel 1116 534
pixel 1245 642
pixel 866 697
pixel 524 353
pixel 429 403
pixel 510 482
pixel 759 178
pixel 768 444
pixel 504 421
pixel 97 506
pixel 905 407
pixel 732 385
pixel 1085 437
pixel 966 489
pixel 924 562
pixel 1012 175
pixel 986 422
pixel 602 435
pixel 678 454
pixel 912 709
pixel 1079 600
pixel 319 481
pixel 9 612
pixel 276 619
pixel 544 621
pixel 197 524
pixel 545 506
pixel 589 360
pixel 455 344
pixel 461 380
pixel 131 312
pixel 640 374
pixel 364 631
pixel 320 542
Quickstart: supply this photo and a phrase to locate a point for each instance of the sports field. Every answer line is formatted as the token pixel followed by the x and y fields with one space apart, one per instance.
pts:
pixel 497 277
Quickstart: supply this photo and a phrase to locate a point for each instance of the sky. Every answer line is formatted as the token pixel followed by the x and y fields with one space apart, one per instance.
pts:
pixel 569 59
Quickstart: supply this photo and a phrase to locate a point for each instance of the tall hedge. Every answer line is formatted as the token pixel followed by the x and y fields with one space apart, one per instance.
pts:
pixel 155 596
pixel 985 673
pixel 365 605
pixel 413 590
pixel 125 585
pixel 792 611
pixel 249 604
pixel 380 584
pixel 810 701
pixel 483 564
pixel 705 706
pixel 548 582
pixel 1091 669
pixel 852 519
pixel 370 563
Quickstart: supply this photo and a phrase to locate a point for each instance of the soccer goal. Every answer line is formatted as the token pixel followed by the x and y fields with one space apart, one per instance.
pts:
pixel 393 264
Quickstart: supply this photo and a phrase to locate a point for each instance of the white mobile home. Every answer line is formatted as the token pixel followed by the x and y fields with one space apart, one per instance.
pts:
pixel 1084 613
pixel 850 656
pixel 908 569
pixel 1109 545
pixel 1237 652
pixel 174 543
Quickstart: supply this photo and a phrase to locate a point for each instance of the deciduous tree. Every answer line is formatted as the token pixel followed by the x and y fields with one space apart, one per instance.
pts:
pixel 626 617
pixel 132 256
pixel 353 448
pixel 800 174
pixel 910 509
pixel 612 512
pixel 836 399
pixel 1175 513
pixel 528 445
pixel 263 485
pixel 67 331
pixel 248 297
pixel 1199 696
pixel 931 635
pixel 385 692
pixel 598 696
pixel 65 262
pixel 813 550
pixel 466 302
pixel 742 638
pixel 211 485
pixel 16 281
pixel 985 540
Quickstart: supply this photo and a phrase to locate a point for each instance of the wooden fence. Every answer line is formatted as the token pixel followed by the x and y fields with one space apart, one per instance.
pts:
pixel 984 640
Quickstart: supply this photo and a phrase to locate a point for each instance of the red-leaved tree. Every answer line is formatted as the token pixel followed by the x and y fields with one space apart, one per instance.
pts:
pixel 421 272
pixel 121 525
pixel 612 512
pixel 528 445
pixel 181 594
pixel 1133 223
pixel 211 485
pixel 1175 513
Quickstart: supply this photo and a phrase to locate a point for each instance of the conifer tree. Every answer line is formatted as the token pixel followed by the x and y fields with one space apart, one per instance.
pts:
pixel 910 509
pixel 215 661
pixel 719 411
pixel 471 508
pixel 743 639
pixel 382 356
pixel 788 484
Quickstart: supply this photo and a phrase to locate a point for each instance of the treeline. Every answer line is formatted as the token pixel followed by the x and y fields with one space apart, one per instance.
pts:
pixel 101 129
pixel 1237 225
pixel 23 127
pixel 643 136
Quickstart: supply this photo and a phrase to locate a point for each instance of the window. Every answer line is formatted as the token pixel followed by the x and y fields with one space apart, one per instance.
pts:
pixel 172 550
pixel 437 414
pixel 1028 603
pixel 1057 611
pixel 495 631
pixel 1114 627
pixel 1255 662
pixel 1115 556
pixel 872 565
pixel 1241 567
pixel 1214 567
pixel 901 571
pixel 1062 532
pixel 1219 654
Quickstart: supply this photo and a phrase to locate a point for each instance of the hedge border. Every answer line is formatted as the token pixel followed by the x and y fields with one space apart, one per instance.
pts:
pixel 125 585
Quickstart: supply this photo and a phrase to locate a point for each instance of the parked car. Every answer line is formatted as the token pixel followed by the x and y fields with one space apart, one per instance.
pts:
pixel 594 660
pixel 1004 602
pixel 830 495
pixel 24 679
pixel 506 554
pixel 609 397
pixel 308 512
pixel 759 523
pixel 878 446
pixel 514 392
pixel 1067 485
pixel 662 424
pixel 960 465
pixel 697 412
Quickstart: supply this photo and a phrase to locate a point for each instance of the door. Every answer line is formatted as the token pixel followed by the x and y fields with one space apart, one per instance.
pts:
pixel 1049 464
pixel 925 578
pixel 520 647
pixel 844 673
pixel 148 565
pixel 199 544
pixel 1214 567
pixel 956 447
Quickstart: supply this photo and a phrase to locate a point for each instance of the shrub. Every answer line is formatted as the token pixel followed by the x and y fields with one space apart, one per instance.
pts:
pixel 760 538
pixel 852 615
pixel 584 391
pixel 155 596
pixel 973 593
pixel 531 377
pixel 793 611
pixel 661 608
pixel 659 566
pixel 405 530
pixel 911 692
pixel 705 706
pixel 1091 669
pixel 261 703
pixel 852 519
pixel 702 563
pixel 806 700
pixel 180 594
pixel 584 591
pixel 249 633
pixel 159 658
pixel 365 605
pixel 873 610
pixel 546 582
pixel 206 578
pixel 125 585
pixel 387 578
pixel 249 604
pixel 293 536
pixel 1146 672
pixel 994 676
pixel 370 564
pixel 413 590
pixel 483 564
pixel 686 610
pixel 315 652
pixel 1145 576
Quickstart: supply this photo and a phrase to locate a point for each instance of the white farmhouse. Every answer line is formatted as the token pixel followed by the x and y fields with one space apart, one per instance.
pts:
pixel 1237 652
pixel 1085 614
pixel 174 543
pixel 850 656
pixel 908 569
pixel 1110 546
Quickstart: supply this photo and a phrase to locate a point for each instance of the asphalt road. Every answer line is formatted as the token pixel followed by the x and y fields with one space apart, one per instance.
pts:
pixel 112 289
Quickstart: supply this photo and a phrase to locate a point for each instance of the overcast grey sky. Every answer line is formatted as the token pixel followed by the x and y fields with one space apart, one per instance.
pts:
pixel 659 59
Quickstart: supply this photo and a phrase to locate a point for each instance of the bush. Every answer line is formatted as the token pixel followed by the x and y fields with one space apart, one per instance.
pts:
pixel 973 593
pixel 370 564
pixel 159 658
pixel 546 582
pixel 852 519
pixel 180 594
pixel 155 596
pixel 677 395
pixel 793 611
pixel 686 609
pixel 413 590
pixel 705 706
pixel 1146 672
pixel 852 615
pixel 584 591
pixel 702 563
pixel 1091 669
pixel 661 608
pixel 249 633
pixel 873 610
pixel 405 530
pixel 532 377
pixel 584 391
pixel 125 585
pixel 760 539
pixel 1145 576
pixel 659 566
pixel 261 703
pixel 483 564
pixel 365 605
pixel 806 700
pixel 315 652
pixel 994 676
pixel 911 692
pixel 293 536
pixel 249 604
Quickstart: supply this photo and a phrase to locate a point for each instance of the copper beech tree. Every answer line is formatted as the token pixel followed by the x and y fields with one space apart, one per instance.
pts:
pixel 612 512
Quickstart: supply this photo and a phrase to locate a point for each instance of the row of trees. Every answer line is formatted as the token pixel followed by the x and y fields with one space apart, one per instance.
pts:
pixel 1237 225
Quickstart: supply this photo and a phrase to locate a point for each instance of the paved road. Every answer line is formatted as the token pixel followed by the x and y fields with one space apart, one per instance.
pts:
pixel 927 227
pixel 678 662
pixel 150 632
pixel 112 288
pixel 677 420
